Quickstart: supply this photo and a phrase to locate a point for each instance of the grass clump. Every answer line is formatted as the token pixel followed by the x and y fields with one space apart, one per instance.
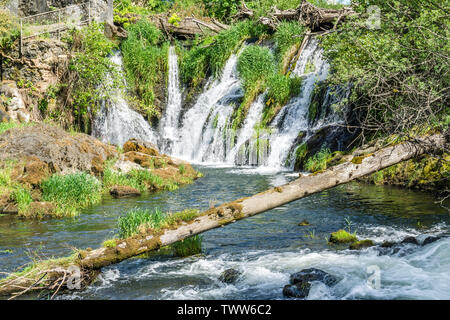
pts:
pixel 71 192
pixel 110 243
pixel 187 247
pixel 145 56
pixel 22 197
pixel 318 162
pixel 342 236
pixel 137 220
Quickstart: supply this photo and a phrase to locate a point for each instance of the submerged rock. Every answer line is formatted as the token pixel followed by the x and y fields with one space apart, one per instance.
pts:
pixel 304 223
pixel 300 282
pixel 430 239
pixel 230 276
pixel 124 192
pixel 410 240
pixel 358 245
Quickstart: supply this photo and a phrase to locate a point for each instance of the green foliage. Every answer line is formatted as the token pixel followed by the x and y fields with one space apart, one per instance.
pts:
pixel 281 88
pixel 318 162
pixel 287 34
pixel 145 58
pixel 342 236
pixel 9 30
pixel 22 197
pixel 71 192
pixel 91 65
pixel 210 55
pixel 187 247
pixel 255 65
pixel 222 9
pixel 174 19
pixel 137 220
pixel 399 69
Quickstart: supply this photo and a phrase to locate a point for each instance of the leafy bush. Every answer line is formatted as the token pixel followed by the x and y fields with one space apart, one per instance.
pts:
pixel 318 162
pixel 255 65
pixel 71 192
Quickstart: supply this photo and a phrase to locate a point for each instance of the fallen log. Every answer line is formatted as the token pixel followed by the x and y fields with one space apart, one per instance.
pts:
pixel 187 27
pixel 351 168
pixel 306 13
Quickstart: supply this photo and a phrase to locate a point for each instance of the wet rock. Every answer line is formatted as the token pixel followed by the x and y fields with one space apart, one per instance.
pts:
pixel 124 192
pixel 112 31
pixel 410 240
pixel 304 223
pixel 430 239
pixel 358 245
pixel 230 276
pixel 141 147
pixel 300 282
pixel 387 244
pixel 142 159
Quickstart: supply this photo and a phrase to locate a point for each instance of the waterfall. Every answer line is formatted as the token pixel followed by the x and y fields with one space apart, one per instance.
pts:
pixel 168 127
pixel 293 118
pixel 207 122
pixel 116 122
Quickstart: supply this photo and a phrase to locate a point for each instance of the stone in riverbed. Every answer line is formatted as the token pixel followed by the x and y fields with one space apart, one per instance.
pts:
pixel 430 239
pixel 230 276
pixel 342 236
pixel 300 282
pixel 304 223
pixel 410 240
pixel 124 192
pixel 358 245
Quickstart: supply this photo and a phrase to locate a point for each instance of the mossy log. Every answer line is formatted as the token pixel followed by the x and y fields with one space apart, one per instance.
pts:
pixel 91 260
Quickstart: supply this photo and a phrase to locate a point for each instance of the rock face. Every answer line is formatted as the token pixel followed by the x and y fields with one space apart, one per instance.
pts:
pixel 12 102
pixel 32 7
pixel 300 282
pixel 230 276
pixel 49 148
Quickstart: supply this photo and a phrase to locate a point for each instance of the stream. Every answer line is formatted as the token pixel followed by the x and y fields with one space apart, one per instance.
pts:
pixel 267 248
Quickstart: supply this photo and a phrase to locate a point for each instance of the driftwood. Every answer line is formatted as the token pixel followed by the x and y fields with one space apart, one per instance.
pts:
pixel 187 27
pixel 352 167
pixel 306 13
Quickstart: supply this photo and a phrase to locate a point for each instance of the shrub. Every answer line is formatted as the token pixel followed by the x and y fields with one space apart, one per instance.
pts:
pixel 318 162
pixel 71 192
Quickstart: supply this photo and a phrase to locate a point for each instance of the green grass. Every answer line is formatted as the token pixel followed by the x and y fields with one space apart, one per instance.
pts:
pixel 342 236
pixel 145 56
pixel 318 162
pixel 287 34
pixel 188 247
pixel 4 126
pixel 22 197
pixel 71 192
pixel 137 220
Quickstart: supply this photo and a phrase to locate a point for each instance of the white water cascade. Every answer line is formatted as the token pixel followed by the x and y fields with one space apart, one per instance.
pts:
pixel 116 122
pixel 293 118
pixel 208 118
pixel 168 127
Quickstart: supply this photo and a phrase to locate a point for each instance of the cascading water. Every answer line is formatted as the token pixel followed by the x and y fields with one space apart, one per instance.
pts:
pixel 293 118
pixel 198 138
pixel 116 122
pixel 168 127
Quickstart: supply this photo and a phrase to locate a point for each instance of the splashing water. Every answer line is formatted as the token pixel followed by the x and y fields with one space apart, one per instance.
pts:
pixel 169 123
pixel 116 122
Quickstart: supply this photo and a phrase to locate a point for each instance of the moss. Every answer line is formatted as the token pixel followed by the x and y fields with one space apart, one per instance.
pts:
pixel 358 245
pixel 278 189
pixel 342 236
pixel 111 243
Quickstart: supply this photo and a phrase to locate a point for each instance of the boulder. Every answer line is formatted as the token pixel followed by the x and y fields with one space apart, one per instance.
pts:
pixel 112 31
pixel 342 236
pixel 124 192
pixel 142 159
pixel 304 223
pixel 410 240
pixel 15 106
pixel 300 282
pixel 60 151
pixel 140 146
pixel 430 239
pixel 230 276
